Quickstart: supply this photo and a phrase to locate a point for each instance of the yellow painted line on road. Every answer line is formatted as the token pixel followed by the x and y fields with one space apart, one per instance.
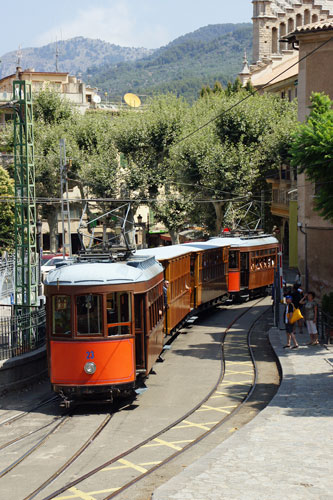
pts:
pixel 239 363
pixel 192 424
pixel 240 395
pixel 172 444
pixel 219 409
pixel 132 466
pixel 125 465
pixel 129 465
pixel 239 382
pixel 233 372
pixel 77 494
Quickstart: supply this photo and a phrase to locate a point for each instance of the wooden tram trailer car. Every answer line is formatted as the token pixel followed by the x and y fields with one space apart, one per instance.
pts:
pixel 106 321
pixel 252 264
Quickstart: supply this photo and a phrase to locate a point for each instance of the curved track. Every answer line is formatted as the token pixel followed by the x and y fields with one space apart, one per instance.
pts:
pixel 234 386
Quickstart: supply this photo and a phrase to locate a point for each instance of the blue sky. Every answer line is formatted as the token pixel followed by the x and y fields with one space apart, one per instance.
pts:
pixel 144 23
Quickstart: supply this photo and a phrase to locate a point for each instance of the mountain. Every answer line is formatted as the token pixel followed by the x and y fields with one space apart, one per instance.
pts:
pixel 211 53
pixel 75 56
pixel 183 66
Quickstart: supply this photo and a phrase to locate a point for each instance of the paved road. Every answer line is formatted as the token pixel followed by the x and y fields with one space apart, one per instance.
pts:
pixel 286 452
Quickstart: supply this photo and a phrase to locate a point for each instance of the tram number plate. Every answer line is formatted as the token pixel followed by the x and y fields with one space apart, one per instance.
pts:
pixel 90 354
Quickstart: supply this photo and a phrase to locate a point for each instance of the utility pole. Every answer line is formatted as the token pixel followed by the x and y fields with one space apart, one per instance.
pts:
pixel 262 209
pixel 65 209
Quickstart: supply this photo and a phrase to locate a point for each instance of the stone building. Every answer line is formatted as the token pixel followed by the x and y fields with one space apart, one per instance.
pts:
pixel 315 235
pixel 272 20
pixel 68 86
pixel 275 69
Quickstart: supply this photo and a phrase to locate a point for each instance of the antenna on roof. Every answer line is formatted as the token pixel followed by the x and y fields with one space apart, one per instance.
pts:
pixel 19 55
pixel 57 56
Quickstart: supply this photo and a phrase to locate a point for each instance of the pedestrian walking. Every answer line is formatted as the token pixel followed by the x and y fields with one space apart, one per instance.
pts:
pixel 297 295
pixel 290 327
pixel 311 316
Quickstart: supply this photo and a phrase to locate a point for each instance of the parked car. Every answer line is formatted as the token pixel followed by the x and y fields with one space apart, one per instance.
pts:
pixel 50 265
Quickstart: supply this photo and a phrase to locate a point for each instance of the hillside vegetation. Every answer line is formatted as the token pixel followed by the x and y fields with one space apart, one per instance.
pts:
pixel 75 56
pixel 183 66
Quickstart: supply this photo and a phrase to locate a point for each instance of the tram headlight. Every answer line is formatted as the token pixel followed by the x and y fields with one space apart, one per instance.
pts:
pixel 90 368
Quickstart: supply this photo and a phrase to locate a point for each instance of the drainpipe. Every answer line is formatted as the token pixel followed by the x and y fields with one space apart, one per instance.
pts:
pixel 299 224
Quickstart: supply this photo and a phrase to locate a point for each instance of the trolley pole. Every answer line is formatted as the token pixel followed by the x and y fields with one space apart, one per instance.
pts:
pixel 65 209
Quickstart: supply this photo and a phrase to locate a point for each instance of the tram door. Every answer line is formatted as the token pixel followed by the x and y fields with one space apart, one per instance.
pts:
pixel 244 265
pixel 139 308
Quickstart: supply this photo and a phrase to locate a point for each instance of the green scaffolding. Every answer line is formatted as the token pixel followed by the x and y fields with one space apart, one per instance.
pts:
pixel 26 258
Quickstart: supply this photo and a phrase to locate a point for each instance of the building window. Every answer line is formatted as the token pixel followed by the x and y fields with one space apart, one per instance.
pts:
pixel 88 96
pixel 274 40
pixel 289 96
pixel 307 16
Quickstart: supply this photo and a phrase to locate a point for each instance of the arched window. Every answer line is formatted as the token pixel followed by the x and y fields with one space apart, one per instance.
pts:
pixel 307 16
pixel 274 41
pixel 299 20
pixel 314 18
pixel 290 30
pixel 283 31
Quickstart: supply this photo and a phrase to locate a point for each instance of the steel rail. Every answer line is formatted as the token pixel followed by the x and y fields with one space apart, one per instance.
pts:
pixel 205 434
pixel 26 412
pixel 27 434
pixel 164 430
pixel 33 448
pixel 74 457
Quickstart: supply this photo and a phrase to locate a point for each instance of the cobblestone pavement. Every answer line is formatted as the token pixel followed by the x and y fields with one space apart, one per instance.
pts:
pixel 286 452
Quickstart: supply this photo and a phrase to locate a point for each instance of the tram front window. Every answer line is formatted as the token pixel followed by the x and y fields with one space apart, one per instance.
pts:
pixel 89 314
pixel 61 315
pixel 118 313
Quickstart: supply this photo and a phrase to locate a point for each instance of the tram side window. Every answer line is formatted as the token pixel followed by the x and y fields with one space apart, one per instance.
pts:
pixel 61 315
pixel 233 259
pixel 118 311
pixel 89 314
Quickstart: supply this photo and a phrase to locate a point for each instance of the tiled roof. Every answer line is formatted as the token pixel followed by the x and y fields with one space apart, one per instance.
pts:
pixel 321 26
pixel 311 28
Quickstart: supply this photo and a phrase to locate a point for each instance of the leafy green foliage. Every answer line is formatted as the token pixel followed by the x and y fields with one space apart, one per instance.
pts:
pixel 312 152
pixel 6 211
pixel 51 108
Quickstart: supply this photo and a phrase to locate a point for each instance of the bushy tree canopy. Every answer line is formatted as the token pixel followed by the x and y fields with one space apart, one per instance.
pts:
pixel 312 152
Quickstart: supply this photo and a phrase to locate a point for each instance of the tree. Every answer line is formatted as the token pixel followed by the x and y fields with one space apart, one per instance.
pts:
pixel 146 139
pixel 230 158
pixel 312 152
pixel 51 108
pixel 6 211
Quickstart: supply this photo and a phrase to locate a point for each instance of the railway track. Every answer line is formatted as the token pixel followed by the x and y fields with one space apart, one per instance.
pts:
pixel 24 413
pixel 233 388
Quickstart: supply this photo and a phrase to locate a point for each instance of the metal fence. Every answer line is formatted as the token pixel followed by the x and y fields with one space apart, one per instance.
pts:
pixel 7 279
pixel 21 334
pixel 325 327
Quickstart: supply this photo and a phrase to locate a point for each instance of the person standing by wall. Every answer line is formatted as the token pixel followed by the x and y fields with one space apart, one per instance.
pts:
pixel 290 328
pixel 311 316
pixel 297 295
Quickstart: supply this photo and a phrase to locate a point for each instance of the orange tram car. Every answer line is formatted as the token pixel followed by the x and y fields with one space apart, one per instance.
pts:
pixel 108 319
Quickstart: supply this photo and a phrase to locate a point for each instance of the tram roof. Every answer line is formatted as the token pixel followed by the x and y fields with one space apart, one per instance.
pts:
pixel 246 242
pixel 105 273
pixel 163 253
pixel 207 245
